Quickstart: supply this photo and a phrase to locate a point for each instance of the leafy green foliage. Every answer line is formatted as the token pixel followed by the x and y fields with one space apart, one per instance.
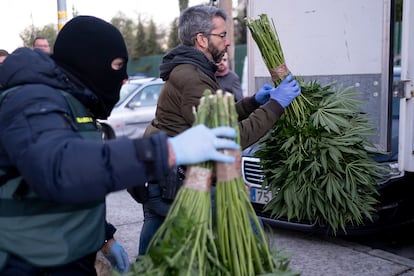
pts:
pixel 174 253
pixel 317 159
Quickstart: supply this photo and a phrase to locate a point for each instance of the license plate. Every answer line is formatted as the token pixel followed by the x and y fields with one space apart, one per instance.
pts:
pixel 258 195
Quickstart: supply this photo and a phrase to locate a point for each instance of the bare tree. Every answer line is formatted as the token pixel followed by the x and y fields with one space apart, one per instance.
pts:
pixel 48 31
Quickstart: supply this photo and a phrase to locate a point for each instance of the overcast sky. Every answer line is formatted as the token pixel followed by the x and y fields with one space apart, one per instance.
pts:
pixel 16 15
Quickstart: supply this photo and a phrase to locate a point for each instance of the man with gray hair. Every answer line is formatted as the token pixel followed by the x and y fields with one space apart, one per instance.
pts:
pixel 188 70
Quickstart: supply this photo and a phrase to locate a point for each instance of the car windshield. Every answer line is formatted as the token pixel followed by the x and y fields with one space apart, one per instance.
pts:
pixel 126 90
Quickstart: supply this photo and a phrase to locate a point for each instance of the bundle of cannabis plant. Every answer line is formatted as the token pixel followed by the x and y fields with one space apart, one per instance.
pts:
pixel 322 171
pixel 317 158
pixel 184 244
pixel 191 241
pixel 264 33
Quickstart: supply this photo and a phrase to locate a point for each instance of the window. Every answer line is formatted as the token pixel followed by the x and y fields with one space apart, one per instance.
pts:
pixel 148 96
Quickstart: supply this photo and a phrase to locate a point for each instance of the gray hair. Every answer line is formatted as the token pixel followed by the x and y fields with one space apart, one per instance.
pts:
pixel 197 19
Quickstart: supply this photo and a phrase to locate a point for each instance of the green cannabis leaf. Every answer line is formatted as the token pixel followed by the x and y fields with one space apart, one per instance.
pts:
pixel 320 169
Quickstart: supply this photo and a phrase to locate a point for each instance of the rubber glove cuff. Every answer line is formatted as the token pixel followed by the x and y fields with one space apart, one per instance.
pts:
pixel 118 257
pixel 263 95
pixel 286 91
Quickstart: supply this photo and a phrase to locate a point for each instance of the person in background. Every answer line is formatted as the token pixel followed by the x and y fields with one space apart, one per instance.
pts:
pixel 188 70
pixel 55 170
pixel 227 79
pixel 41 43
pixel 3 55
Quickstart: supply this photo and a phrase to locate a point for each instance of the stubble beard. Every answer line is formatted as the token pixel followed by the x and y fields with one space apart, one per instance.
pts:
pixel 215 53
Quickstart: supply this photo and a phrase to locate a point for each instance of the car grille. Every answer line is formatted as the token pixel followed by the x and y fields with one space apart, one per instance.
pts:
pixel 252 173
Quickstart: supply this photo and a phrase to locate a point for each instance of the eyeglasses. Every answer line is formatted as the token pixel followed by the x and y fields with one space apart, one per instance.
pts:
pixel 222 35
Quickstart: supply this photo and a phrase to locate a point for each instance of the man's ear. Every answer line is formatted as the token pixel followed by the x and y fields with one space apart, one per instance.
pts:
pixel 201 41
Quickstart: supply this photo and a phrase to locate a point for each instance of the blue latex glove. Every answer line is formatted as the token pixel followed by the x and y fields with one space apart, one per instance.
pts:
pixel 118 257
pixel 286 91
pixel 263 95
pixel 199 144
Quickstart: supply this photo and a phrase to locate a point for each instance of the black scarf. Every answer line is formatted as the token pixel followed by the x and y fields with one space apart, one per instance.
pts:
pixel 183 54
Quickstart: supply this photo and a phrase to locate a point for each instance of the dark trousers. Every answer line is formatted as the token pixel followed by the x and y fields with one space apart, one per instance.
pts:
pixel 82 267
pixel 155 211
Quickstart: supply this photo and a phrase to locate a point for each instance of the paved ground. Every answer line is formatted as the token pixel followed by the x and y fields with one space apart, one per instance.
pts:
pixel 310 255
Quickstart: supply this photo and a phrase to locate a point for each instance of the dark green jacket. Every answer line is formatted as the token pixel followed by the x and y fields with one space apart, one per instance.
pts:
pixel 46 233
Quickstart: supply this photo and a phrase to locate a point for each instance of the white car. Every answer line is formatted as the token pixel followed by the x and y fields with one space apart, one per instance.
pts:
pixel 135 108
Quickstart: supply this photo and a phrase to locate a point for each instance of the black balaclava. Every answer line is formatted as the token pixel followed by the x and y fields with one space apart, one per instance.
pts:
pixel 86 47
